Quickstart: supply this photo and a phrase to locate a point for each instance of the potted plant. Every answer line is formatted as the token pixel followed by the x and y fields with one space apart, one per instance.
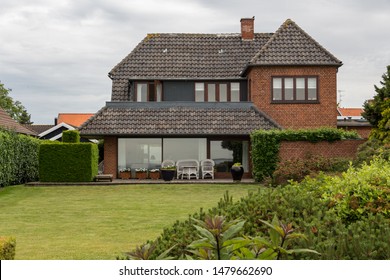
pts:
pixel 168 172
pixel 125 173
pixel 237 171
pixel 154 174
pixel 141 173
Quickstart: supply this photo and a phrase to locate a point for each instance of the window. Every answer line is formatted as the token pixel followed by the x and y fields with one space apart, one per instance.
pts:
pixel 149 91
pixel 235 92
pixel 294 89
pixel 223 93
pixel 185 148
pixel 199 92
pixel 227 152
pixel 142 92
pixel 211 93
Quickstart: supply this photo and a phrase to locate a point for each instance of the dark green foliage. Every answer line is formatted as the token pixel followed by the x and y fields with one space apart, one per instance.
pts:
pixel 14 108
pixel 343 217
pixel 18 158
pixel 71 136
pixel 63 162
pixel 373 108
pixel 370 149
pixel 266 144
pixel 7 248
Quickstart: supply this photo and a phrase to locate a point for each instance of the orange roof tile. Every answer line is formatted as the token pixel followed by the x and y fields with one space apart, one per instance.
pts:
pixel 350 112
pixel 74 119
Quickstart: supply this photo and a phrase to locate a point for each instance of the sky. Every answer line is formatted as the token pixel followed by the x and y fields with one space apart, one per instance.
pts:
pixel 55 55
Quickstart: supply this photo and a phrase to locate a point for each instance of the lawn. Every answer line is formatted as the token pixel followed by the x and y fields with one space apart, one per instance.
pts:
pixel 98 222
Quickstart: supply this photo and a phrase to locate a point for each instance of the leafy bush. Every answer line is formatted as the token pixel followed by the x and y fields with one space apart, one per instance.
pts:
pixel 18 158
pixel 63 162
pixel 71 136
pixel 266 144
pixel 7 248
pixel 370 149
pixel 345 217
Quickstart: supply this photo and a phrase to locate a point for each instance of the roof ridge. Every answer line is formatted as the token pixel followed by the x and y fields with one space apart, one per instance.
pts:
pixel 287 24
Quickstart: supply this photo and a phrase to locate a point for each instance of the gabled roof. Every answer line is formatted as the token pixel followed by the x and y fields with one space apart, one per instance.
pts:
pixel 38 128
pixel 219 56
pixel 176 118
pixel 290 45
pixel 6 122
pixel 74 119
pixel 197 56
pixel 57 127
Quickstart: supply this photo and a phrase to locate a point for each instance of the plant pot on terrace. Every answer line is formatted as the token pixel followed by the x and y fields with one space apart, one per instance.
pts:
pixel 154 174
pixel 141 173
pixel 125 174
pixel 237 172
pixel 168 173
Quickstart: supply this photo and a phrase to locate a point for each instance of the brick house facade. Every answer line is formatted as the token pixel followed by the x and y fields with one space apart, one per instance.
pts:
pixel 200 96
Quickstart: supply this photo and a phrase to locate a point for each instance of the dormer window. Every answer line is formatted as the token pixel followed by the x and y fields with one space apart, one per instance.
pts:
pixel 217 92
pixel 148 91
pixel 294 90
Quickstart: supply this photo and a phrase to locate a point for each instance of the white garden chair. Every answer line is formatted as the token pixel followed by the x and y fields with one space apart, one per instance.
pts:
pixel 207 168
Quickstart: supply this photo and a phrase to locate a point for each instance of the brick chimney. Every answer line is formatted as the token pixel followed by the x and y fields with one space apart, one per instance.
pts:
pixel 247 28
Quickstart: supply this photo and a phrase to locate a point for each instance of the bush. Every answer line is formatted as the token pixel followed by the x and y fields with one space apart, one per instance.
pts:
pixel 18 158
pixel 266 144
pixel 346 217
pixel 71 136
pixel 7 248
pixel 370 149
pixel 63 162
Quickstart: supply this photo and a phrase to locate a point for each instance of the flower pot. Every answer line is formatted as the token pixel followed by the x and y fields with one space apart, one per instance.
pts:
pixel 237 173
pixel 167 175
pixel 125 175
pixel 154 175
pixel 141 175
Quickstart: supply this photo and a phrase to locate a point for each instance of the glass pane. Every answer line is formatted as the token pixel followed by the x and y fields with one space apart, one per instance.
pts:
pixel 223 92
pixel 211 92
pixel 142 92
pixel 139 153
pixel 234 92
pixel 300 84
pixel 288 89
pixel 158 92
pixel 312 88
pixel 199 92
pixel 226 152
pixel 185 148
pixel 277 89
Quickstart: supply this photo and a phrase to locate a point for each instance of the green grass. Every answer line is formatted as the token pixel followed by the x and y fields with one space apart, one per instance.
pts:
pixel 98 222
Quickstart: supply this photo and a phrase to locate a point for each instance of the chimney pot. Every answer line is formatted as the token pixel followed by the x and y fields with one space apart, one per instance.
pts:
pixel 247 28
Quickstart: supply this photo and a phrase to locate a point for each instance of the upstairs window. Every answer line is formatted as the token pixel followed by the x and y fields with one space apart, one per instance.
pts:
pixel 217 92
pixel 148 91
pixel 199 92
pixel 294 90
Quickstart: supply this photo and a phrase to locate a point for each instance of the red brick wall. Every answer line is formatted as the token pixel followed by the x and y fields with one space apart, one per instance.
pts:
pixel 302 149
pixel 111 155
pixel 363 131
pixel 296 115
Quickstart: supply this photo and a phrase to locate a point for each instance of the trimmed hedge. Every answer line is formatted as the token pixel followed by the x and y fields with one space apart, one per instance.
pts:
pixel 7 248
pixel 71 136
pixel 266 145
pixel 66 162
pixel 18 158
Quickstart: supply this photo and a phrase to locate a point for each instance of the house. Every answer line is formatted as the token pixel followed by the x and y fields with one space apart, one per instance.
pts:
pixel 178 96
pixel 7 123
pixel 64 121
pixel 352 119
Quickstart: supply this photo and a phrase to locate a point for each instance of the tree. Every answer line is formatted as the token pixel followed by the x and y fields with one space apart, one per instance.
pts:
pixel 14 108
pixel 377 110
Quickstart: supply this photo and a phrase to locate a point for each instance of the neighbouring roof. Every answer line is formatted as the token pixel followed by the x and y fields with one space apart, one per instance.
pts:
pixel 8 123
pixel 74 119
pixel 350 112
pixel 55 132
pixel 178 118
pixel 38 128
pixel 224 56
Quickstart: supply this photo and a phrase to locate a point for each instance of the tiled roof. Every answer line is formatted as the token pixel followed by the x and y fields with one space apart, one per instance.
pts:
pixel 200 56
pixel 178 118
pixel 74 119
pixel 38 128
pixel 290 45
pixel 350 112
pixel 6 122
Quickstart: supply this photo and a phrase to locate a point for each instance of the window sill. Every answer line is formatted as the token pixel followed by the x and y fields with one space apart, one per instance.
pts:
pixel 295 102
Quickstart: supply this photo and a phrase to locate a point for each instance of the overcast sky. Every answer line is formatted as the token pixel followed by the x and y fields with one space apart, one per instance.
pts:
pixel 55 54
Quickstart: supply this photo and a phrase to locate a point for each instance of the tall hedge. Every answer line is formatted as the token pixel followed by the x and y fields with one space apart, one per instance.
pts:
pixel 68 162
pixel 266 144
pixel 71 136
pixel 18 158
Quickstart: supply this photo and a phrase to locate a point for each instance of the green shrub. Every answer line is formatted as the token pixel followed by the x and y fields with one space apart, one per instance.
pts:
pixel 7 248
pixel 71 136
pixel 18 158
pixel 344 217
pixel 370 149
pixel 63 162
pixel 266 144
